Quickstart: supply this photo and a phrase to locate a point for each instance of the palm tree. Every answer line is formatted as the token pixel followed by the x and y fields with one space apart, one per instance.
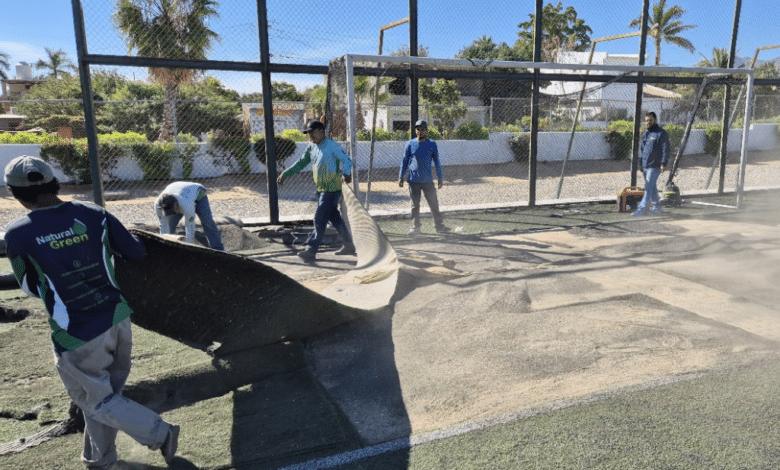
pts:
pixel 665 25
pixel 4 64
pixel 364 89
pixel 171 29
pixel 57 64
pixel 720 59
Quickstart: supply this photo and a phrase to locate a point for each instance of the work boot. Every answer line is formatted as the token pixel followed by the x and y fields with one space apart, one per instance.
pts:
pixel 171 443
pixel 307 255
pixel 346 250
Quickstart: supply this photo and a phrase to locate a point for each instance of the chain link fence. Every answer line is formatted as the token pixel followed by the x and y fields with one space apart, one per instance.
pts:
pixel 160 124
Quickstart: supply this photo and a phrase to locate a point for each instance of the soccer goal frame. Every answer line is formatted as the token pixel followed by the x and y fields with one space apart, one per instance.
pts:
pixel 577 72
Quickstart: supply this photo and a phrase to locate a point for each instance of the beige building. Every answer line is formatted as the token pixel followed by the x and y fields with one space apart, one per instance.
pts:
pixel 13 90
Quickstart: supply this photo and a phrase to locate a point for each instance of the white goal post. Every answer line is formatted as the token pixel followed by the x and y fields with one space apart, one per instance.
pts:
pixel 576 70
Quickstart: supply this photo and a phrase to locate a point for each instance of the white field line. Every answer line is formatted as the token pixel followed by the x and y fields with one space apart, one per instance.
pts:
pixel 460 429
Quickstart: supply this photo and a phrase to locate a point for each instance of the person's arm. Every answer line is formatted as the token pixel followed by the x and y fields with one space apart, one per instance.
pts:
pixel 299 165
pixel 342 156
pixel 164 229
pixel 24 273
pixel 404 164
pixel 437 164
pixel 122 241
pixel 665 148
pixel 187 209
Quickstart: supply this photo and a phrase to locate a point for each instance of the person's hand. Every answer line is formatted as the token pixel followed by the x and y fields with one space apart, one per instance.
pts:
pixel 401 182
pixel 347 179
pixel 441 183
pixel 280 180
pixel 663 168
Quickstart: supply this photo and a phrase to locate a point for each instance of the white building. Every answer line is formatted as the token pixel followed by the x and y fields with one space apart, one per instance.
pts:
pixel 601 102
pixel 287 115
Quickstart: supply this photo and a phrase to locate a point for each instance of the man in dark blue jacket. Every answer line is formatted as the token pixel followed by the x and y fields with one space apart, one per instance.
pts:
pixel 63 252
pixel 654 155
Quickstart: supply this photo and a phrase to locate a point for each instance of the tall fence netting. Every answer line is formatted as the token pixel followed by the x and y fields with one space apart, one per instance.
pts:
pixel 481 118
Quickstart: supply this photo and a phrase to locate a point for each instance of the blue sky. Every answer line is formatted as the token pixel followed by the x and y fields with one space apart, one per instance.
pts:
pixel 314 35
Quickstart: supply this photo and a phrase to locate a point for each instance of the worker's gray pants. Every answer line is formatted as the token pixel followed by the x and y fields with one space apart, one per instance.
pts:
pixel 94 375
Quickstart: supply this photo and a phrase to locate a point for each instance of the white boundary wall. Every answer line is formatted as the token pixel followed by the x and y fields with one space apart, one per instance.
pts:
pixel 388 154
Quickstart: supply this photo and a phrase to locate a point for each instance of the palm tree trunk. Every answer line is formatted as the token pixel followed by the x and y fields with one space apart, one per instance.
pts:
pixel 171 95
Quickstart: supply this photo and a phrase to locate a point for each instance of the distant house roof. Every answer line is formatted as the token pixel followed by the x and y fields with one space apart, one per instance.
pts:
pixel 651 90
pixel 23 80
pixel 600 58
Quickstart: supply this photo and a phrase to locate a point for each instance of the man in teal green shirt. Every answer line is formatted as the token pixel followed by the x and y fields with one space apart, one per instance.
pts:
pixel 325 155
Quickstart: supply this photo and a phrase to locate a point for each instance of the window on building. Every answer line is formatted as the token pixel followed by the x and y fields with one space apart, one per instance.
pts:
pixel 401 126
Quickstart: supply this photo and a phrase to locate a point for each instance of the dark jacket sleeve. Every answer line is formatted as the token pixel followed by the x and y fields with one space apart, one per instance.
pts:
pixel 665 148
pixel 122 241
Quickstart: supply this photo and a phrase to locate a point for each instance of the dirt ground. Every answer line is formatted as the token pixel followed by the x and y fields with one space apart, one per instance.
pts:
pixel 484 326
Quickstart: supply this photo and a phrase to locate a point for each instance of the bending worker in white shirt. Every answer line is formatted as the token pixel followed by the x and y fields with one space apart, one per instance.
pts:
pixel 186 199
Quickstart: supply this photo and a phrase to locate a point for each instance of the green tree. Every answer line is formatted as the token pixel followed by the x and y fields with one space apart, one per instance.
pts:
pixel 254 97
pixel 719 59
pixel 57 63
pixel 137 106
pixel 283 91
pixel 316 97
pixel 444 104
pixel 562 31
pixel 403 51
pixel 665 25
pixel 171 29
pixel 119 106
pixel 208 105
pixel 364 93
pixel 280 91
pixel 767 70
pixel 106 83
pixel 45 99
pixel 4 64
pixel 763 108
pixel 399 86
pixel 485 49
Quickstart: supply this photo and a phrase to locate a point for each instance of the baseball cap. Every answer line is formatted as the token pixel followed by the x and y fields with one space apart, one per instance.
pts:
pixel 313 124
pixel 421 123
pixel 169 204
pixel 24 171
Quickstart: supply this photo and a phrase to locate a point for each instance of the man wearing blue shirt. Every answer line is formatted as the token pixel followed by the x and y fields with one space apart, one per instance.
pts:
pixel 418 156
pixel 63 253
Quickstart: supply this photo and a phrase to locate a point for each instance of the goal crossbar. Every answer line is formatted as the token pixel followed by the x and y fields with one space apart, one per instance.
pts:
pixel 542 65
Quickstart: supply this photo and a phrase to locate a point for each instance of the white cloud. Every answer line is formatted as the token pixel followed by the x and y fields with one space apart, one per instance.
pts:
pixel 21 52
pixel 24 52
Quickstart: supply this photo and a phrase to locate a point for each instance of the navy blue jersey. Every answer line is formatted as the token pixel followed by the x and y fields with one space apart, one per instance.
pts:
pixel 64 254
